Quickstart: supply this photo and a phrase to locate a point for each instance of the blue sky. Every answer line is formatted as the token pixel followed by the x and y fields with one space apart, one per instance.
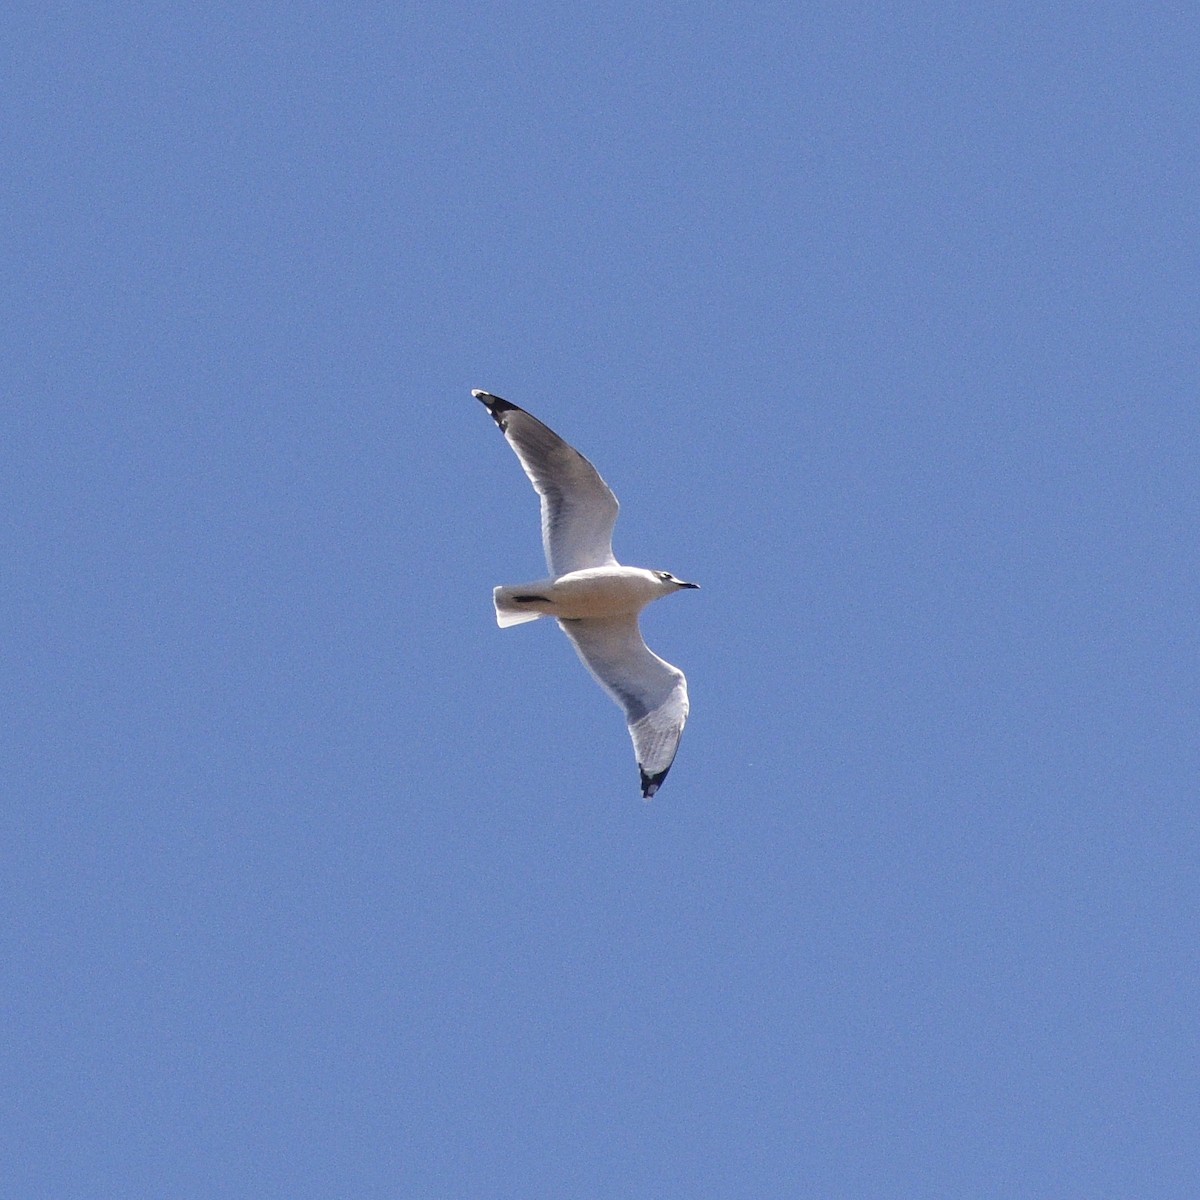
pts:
pixel 881 320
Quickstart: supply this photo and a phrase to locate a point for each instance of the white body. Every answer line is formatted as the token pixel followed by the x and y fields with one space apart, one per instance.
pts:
pixel 593 592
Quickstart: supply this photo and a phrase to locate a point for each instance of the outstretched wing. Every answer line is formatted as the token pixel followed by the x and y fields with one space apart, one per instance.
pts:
pixel 578 509
pixel 652 692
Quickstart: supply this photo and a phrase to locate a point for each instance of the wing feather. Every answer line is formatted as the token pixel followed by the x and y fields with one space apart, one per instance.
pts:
pixel 652 692
pixel 578 508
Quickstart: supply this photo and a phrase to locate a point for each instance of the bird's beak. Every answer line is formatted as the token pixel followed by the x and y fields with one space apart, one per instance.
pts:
pixel 690 585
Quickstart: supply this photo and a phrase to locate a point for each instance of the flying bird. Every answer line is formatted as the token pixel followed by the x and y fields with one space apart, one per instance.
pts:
pixel 595 598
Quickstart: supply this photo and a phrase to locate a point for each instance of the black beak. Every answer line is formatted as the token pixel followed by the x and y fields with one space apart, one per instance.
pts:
pixel 691 585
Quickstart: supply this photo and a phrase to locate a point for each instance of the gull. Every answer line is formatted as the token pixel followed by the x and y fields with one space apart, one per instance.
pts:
pixel 595 598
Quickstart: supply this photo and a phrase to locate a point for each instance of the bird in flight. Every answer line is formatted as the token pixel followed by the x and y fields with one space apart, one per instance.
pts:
pixel 595 598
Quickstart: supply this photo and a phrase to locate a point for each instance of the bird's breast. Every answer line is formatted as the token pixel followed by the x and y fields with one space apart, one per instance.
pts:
pixel 603 592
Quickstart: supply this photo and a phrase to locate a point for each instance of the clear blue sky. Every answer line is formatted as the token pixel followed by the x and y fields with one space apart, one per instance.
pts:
pixel 883 321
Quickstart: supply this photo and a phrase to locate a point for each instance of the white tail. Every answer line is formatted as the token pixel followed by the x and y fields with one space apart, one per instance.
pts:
pixel 522 602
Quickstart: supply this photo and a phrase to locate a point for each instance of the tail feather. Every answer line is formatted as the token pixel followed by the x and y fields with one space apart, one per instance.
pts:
pixel 524 602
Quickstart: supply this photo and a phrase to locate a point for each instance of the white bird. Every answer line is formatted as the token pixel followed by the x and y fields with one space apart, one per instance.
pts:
pixel 595 599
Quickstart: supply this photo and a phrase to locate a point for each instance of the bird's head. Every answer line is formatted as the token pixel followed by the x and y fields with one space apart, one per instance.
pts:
pixel 669 581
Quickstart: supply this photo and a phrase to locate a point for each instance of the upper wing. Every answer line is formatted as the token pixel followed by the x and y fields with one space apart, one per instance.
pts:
pixel 578 510
pixel 652 692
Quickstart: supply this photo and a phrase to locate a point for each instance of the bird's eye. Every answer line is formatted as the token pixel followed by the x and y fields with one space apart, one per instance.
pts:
pixel 664 575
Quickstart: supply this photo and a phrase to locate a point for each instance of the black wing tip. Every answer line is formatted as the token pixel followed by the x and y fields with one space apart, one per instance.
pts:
pixel 651 783
pixel 496 405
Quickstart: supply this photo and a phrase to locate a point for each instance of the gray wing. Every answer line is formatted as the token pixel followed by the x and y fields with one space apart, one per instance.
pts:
pixel 578 510
pixel 652 692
